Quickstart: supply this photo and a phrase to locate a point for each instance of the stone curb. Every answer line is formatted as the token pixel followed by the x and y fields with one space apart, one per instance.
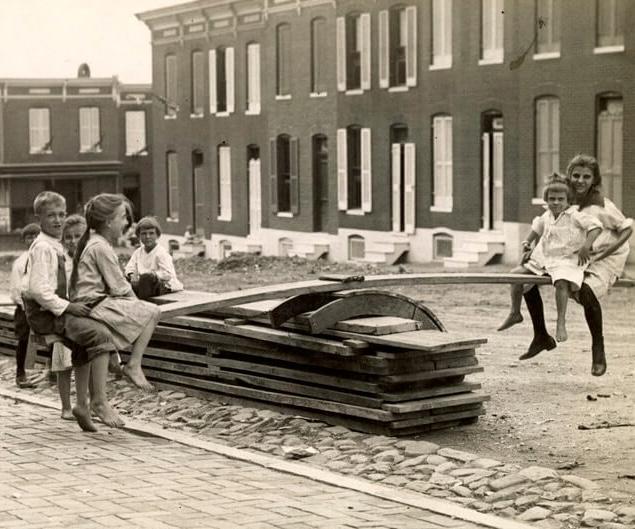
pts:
pixel 411 499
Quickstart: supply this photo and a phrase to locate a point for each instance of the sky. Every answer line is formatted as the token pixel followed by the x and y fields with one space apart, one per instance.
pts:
pixel 51 38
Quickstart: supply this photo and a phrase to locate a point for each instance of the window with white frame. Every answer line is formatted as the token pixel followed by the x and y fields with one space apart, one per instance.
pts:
pixel 221 81
pixel 356 248
pixel 283 60
pixel 353 52
pixel 89 130
pixel 610 145
pixel 548 38
pixel 253 78
pixel 354 174
pixel 40 131
pixel 224 183
pixel 547 140
pixel 198 88
pixel 492 23
pixel 136 133
pixel 318 67
pixel 170 86
pixel 172 195
pixel 441 21
pixel 284 173
pixel 442 163
pixel 442 246
pixel 398 47
pixel 610 23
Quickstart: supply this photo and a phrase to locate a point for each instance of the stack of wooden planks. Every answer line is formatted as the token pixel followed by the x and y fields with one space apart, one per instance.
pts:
pixel 387 374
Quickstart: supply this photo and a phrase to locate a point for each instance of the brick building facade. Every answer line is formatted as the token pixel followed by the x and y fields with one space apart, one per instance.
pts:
pixel 79 137
pixel 383 129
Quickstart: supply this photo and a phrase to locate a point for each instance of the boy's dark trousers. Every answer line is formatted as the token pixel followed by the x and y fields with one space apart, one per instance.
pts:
pixel 21 330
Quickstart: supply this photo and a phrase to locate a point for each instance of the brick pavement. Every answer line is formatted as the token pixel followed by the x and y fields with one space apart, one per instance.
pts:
pixel 53 475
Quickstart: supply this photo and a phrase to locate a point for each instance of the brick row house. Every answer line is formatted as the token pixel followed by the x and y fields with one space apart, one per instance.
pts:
pixel 380 130
pixel 78 136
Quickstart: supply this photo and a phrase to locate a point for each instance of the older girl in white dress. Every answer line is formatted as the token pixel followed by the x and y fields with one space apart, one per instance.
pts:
pixel 98 281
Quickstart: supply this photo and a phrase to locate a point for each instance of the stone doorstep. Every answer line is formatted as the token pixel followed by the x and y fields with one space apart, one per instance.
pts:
pixel 405 497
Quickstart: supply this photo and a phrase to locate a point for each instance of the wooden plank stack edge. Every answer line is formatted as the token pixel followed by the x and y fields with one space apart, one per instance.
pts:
pixel 392 384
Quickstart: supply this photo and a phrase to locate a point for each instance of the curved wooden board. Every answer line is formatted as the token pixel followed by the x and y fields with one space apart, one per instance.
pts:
pixel 188 302
pixel 365 303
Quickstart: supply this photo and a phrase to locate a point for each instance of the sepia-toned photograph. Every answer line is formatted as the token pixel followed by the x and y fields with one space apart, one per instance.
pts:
pixel 317 264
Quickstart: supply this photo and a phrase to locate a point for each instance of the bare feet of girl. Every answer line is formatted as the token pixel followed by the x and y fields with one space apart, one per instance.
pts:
pixel 107 414
pixel 512 319
pixel 561 332
pixel 83 419
pixel 136 376
pixel 67 414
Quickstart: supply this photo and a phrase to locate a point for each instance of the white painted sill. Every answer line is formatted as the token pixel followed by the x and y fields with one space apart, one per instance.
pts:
pixel 48 151
pixel 441 209
pixel 224 219
pixel 283 97
pixel 354 92
pixel 401 88
pixel 224 114
pixel 357 212
pixel 440 66
pixel 144 153
pixel 546 56
pixel 487 62
pixel 252 112
pixel 284 214
pixel 537 201
pixel 601 50
pixel 166 116
pixel 318 94
pixel 197 116
pixel 170 219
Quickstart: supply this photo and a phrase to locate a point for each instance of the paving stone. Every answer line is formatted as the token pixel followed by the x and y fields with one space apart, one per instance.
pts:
pixel 441 479
pixel 593 516
pixel 462 491
pixel 579 482
pixel 435 459
pixel 507 481
pixel 418 448
pixel 534 513
pixel 506 493
pixel 457 454
pixel 538 473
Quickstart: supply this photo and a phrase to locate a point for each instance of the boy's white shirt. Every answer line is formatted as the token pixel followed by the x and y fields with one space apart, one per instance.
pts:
pixel 16 282
pixel 157 260
pixel 40 281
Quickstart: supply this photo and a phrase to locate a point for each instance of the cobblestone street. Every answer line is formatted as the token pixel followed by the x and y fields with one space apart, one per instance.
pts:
pixel 53 475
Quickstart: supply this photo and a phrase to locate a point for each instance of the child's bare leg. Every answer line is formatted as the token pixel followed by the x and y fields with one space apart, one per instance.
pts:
pixel 133 368
pixel 64 388
pixel 99 401
pixel 81 411
pixel 516 291
pixel 562 299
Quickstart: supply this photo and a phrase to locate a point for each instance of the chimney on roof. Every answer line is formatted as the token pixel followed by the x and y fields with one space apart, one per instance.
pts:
pixel 83 70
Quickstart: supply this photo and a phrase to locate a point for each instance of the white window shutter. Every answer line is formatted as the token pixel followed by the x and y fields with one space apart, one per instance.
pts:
pixel 448 162
pixel 341 53
pixel 367 175
pixel 229 77
pixel 411 46
pixel 409 185
pixel 342 170
pixel 224 163
pixel 384 50
pixel 253 57
pixel 212 82
pixel 396 186
pixel 365 55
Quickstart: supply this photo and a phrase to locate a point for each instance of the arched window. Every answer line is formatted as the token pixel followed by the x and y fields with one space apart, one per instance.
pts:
pixel 356 247
pixel 283 60
pixel 547 140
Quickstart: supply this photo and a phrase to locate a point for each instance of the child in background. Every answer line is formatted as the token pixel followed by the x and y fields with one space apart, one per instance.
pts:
pixel 21 326
pixel 564 238
pixel 98 281
pixel 151 269
pixel 49 311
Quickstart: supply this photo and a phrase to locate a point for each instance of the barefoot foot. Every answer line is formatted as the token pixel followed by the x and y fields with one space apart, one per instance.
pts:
pixel 136 376
pixel 561 333
pixel 82 415
pixel 107 414
pixel 511 320
pixel 538 345
pixel 67 414
pixel 114 365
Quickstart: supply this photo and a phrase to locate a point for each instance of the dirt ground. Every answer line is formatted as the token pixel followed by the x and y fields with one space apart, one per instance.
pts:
pixel 536 406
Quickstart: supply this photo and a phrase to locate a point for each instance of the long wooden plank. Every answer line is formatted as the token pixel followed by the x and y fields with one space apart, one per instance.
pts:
pixel 176 305
pixel 429 375
pixel 267 334
pixel 442 401
pixel 294 374
pixel 269 396
pixel 435 419
pixel 435 391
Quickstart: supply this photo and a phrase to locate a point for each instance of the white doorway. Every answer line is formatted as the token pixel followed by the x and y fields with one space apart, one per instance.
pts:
pixel 255 192
pixel 492 172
